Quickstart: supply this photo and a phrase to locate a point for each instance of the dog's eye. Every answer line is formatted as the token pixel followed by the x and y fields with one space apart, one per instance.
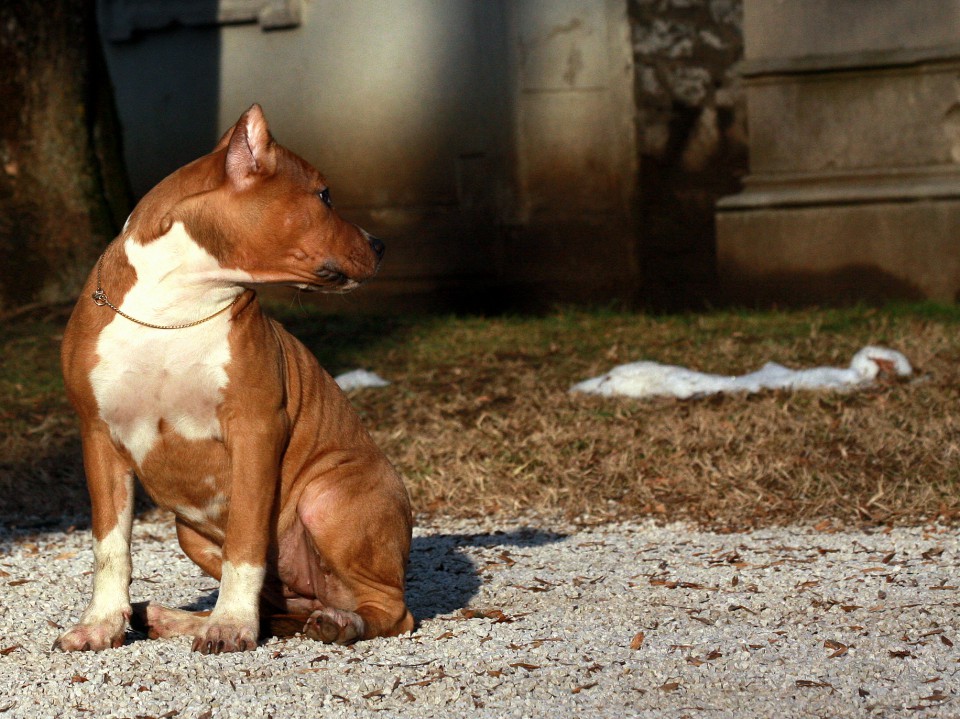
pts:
pixel 324 195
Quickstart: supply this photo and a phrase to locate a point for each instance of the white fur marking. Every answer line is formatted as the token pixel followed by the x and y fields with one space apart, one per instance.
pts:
pixel 216 506
pixel 190 514
pixel 204 517
pixel 239 598
pixel 146 375
pixel 111 577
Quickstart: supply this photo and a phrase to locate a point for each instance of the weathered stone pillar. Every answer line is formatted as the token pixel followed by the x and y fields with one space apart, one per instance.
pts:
pixel 854 121
pixel 571 235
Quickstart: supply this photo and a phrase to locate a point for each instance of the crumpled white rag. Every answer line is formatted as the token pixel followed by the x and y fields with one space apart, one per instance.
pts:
pixel 358 379
pixel 652 379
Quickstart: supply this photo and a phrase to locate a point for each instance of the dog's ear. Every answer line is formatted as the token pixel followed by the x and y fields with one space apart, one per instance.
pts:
pixel 224 139
pixel 251 152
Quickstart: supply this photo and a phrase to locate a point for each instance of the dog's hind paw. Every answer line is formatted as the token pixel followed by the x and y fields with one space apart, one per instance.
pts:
pixel 334 626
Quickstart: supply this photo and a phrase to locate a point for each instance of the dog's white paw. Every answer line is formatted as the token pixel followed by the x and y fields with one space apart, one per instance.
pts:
pixel 94 636
pixel 223 635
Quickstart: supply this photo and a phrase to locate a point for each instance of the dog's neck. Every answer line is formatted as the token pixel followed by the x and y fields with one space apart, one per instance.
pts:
pixel 177 280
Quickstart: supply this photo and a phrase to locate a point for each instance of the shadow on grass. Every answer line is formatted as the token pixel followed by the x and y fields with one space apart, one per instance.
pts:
pixel 443 579
pixel 44 488
pixel 344 342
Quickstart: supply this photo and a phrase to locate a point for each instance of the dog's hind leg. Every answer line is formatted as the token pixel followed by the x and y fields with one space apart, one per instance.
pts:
pixel 205 553
pixel 359 539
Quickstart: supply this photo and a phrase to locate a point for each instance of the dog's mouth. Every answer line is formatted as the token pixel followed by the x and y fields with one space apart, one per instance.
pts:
pixel 330 279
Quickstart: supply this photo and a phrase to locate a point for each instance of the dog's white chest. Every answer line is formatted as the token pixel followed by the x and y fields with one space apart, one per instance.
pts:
pixel 143 381
pixel 149 380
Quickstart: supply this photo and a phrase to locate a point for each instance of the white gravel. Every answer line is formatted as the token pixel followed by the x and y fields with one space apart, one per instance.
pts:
pixel 779 622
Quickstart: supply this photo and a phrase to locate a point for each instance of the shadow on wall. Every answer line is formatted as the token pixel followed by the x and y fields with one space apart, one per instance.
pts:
pixel 848 285
pixel 172 81
pixel 691 124
pixel 678 207
pixel 405 113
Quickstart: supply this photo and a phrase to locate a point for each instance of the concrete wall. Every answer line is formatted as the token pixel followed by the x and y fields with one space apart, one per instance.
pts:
pixel 490 143
pixel 797 29
pixel 570 231
pixel 522 152
pixel 854 189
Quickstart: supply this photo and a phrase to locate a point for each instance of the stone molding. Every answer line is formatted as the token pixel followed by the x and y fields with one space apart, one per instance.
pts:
pixel 845 188
pixel 122 18
pixel 753 69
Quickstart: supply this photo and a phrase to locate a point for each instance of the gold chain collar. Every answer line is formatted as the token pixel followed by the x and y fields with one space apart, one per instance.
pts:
pixel 100 299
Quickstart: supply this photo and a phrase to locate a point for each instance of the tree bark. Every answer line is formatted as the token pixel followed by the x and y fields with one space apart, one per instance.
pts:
pixel 63 188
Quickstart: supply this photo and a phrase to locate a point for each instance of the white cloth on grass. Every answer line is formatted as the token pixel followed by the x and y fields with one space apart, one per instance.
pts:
pixel 359 379
pixel 652 379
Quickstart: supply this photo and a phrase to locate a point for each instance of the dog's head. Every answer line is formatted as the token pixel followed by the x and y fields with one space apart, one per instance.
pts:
pixel 263 210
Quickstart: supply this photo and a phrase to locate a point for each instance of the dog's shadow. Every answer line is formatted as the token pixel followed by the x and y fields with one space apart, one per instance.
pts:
pixel 442 578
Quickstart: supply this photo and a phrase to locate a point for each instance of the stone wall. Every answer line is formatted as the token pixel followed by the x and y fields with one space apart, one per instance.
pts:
pixel 854 186
pixel 691 132
pixel 490 144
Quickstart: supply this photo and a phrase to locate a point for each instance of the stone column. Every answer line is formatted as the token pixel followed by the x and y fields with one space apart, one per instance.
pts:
pixel 571 235
pixel 854 122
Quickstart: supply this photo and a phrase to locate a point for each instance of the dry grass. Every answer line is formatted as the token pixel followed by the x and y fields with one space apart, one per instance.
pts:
pixel 478 418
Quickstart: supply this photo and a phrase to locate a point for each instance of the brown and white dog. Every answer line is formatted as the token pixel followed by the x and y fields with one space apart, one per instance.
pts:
pixel 180 379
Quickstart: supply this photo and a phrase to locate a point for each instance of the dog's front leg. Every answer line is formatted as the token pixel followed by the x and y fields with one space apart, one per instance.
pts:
pixel 110 482
pixel 234 623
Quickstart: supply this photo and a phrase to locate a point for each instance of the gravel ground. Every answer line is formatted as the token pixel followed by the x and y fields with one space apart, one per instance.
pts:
pixel 532 619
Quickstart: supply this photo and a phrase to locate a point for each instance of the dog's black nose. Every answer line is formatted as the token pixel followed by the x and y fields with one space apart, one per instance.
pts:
pixel 377 246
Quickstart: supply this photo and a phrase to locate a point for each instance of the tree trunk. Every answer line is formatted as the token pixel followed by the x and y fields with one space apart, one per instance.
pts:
pixel 63 189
